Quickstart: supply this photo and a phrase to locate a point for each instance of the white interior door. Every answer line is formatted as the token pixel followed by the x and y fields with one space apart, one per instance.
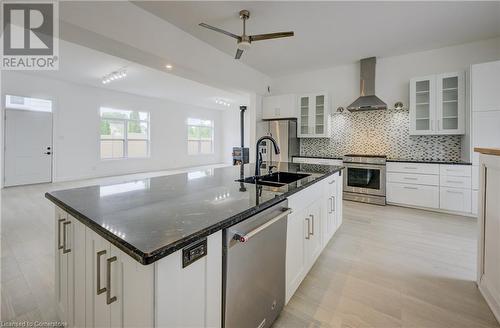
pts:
pixel 28 147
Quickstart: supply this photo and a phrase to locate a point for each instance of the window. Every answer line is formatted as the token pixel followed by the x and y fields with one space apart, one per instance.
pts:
pixel 26 103
pixel 124 133
pixel 200 136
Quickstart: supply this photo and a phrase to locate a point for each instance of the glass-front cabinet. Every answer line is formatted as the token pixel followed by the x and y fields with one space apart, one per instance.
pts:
pixel 437 104
pixel 313 116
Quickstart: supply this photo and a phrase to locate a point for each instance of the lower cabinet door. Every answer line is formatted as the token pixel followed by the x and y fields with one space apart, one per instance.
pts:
pixel 313 243
pixel 415 195
pixel 295 251
pixel 338 202
pixel 61 266
pixel 97 313
pixel 456 199
pixel 329 215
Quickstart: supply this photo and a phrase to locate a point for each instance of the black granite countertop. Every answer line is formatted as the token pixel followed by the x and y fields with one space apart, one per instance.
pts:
pixel 403 160
pixel 154 217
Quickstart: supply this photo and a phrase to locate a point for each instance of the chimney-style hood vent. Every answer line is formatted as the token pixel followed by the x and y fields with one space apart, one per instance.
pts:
pixel 367 99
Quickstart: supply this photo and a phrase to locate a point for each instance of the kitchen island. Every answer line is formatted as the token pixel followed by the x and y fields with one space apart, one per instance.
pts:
pixel 149 252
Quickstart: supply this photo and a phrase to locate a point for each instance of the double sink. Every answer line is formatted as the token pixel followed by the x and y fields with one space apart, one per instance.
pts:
pixel 276 179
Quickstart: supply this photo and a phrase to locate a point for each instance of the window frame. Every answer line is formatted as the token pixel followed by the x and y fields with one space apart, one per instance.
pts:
pixel 199 140
pixel 125 139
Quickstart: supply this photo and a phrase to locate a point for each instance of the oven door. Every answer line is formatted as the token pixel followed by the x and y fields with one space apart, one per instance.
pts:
pixel 364 179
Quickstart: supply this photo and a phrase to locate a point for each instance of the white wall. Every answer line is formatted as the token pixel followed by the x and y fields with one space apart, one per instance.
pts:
pixel 76 127
pixel 393 73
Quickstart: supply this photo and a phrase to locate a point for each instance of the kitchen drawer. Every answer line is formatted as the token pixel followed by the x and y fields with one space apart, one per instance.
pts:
pixel 414 195
pixel 474 202
pixel 306 196
pixel 475 177
pixel 455 199
pixel 409 178
pixel 420 168
pixel 456 170
pixel 455 182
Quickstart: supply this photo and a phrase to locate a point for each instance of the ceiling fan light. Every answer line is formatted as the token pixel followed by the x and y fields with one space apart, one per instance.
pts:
pixel 244 45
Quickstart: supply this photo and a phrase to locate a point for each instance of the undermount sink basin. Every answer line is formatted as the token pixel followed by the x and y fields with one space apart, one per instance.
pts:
pixel 276 179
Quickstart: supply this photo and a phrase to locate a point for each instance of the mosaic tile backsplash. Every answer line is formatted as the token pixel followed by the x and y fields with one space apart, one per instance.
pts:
pixel 384 132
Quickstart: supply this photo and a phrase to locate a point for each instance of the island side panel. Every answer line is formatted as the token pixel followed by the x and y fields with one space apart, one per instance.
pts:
pixel 190 296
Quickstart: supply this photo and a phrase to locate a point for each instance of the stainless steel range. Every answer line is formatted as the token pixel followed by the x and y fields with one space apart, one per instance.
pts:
pixel 364 178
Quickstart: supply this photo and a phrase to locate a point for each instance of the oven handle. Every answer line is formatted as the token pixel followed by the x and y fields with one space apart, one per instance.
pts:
pixel 246 237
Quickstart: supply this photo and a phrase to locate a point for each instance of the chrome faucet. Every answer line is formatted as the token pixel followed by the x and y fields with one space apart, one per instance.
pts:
pixel 258 159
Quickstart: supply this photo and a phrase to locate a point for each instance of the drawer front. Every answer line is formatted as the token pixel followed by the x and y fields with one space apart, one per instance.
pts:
pixel 455 182
pixel 303 198
pixel 408 178
pixel 455 199
pixel 418 168
pixel 456 170
pixel 414 195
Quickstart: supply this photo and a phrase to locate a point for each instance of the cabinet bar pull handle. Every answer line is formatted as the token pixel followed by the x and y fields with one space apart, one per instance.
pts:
pixel 312 219
pixel 333 204
pixel 407 178
pixel 308 228
pixel 412 188
pixel 330 205
pixel 99 289
pixel 248 235
pixel 65 250
pixel 331 182
pixel 109 299
pixel 410 168
pixel 59 245
pixel 453 192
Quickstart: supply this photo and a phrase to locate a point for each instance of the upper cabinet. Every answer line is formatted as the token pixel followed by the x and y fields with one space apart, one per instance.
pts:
pixel 277 107
pixel 313 116
pixel 437 104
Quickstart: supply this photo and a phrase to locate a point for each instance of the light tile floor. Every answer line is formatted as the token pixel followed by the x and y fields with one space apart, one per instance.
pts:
pixel 386 267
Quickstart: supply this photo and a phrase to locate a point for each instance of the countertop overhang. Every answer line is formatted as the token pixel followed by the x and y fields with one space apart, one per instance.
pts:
pixel 151 218
pixel 488 151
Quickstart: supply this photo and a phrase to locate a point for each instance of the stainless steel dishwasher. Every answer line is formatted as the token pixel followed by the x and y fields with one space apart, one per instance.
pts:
pixel 254 269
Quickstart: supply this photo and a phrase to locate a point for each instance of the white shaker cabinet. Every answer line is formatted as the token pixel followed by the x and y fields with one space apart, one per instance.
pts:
pixel 278 107
pixel 489 227
pixel 437 104
pixel 119 290
pixel 313 116
pixel 330 216
pixel 70 269
pixel 485 86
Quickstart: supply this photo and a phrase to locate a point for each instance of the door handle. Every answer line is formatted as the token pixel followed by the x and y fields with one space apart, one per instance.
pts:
pixel 98 266
pixel 109 299
pixel 59 246
pixel 312 219
pixel 308 228
pixel 65 250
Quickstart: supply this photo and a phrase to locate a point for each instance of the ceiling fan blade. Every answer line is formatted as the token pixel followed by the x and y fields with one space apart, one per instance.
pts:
pixel 268 36
pixel 239 52
pixel 216 29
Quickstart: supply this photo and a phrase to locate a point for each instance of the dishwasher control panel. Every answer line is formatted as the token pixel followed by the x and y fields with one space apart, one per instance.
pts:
pixel 194 252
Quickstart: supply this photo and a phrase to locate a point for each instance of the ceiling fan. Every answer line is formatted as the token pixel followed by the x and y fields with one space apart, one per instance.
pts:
pixel 244 40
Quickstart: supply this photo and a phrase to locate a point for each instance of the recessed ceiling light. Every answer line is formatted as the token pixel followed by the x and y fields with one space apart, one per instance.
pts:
pixel 169 66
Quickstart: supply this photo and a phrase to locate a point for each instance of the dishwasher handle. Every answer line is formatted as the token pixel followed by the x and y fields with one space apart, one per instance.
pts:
pixel 246 237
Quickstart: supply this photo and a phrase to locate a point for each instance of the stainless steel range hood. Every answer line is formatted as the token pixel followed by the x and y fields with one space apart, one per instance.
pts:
pixel 367 99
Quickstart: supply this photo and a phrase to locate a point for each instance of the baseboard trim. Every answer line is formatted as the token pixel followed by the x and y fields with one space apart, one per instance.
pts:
pixel 490 300
pixel 437 210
